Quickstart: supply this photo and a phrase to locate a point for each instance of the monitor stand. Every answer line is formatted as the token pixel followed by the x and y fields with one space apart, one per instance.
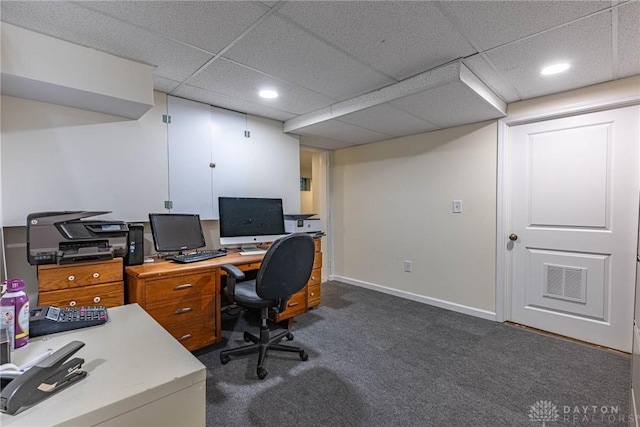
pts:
pixel 251 250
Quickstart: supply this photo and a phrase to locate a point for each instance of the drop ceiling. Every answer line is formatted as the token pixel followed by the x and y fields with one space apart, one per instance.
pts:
pixel 351 73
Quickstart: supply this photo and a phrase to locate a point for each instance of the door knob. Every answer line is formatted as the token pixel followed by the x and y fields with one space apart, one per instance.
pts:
pixel 513 237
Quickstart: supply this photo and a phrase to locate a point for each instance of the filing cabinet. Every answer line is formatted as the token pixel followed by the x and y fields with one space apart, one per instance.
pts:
pixel 186 304
pixel 86 283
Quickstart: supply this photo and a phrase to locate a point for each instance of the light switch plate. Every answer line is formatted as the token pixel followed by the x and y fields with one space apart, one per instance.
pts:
pixel 456 206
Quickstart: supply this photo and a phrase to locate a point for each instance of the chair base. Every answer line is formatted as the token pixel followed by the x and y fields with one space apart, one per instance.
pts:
pixel 262 345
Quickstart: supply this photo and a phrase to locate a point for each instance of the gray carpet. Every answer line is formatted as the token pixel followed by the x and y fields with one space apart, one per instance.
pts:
pixel 380 360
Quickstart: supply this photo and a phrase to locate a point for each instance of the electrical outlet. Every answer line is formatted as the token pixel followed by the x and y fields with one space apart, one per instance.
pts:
pixel 407 266
pixel 457 206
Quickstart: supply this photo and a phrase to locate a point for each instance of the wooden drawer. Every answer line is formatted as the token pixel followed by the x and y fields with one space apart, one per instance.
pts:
pixel 109 295
pixel 297 304
pixel 179 287
pixel 317 260
pixel 194 333
pixel 247 267
pixel 182 310
pixel 314 279
pixel 56 277
pixel 313 295
pixel 316 242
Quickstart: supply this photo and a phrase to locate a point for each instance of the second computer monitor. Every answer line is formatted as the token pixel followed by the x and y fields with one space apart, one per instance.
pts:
pixel 247 221
pixel 176 232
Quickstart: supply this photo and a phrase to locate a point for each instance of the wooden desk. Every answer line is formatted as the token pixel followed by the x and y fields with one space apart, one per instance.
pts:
pixel 137 375
pixel 185 298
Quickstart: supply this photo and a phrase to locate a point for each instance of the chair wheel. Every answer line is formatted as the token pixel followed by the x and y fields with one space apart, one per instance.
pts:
pixel 262 373
pixel 304 356
pixel 289 336
pixel 224 359
pixel 246 337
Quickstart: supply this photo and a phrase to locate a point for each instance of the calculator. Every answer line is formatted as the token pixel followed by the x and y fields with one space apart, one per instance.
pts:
pixel 48 319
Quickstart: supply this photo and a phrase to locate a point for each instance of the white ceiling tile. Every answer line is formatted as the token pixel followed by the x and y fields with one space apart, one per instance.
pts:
pixel 327 56
pixel 209 25
pixel 448 105
pixel 586 44
pixel 492 78
pixel 388 120
pixel 281 49
pixel 494 23
pixel 340 131
pixel 230 103
pixel 628 39
pixel 400 39
pixel 230 79
pixel 68 22
pixel 164 85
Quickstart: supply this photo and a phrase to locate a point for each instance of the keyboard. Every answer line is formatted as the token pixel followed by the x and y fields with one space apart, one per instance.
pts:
pixel 196 256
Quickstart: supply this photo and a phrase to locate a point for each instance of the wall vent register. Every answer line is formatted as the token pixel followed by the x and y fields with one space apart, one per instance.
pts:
pixel 567 283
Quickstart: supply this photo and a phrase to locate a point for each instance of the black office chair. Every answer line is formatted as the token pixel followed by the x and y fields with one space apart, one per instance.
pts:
pixel 285 269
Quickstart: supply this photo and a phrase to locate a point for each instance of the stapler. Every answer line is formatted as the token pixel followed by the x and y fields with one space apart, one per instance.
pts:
pixel 43 379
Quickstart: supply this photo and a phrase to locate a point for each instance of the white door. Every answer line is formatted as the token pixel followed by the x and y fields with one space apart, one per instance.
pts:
pixel 573 197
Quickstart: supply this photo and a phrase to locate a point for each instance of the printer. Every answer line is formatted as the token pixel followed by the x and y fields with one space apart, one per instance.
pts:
pixel 63 237
pixel 302 223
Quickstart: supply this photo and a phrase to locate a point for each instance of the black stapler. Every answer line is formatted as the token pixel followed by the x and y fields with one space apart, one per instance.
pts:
pixel 43 379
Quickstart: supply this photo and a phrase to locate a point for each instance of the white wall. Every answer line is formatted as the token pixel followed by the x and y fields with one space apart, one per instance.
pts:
pixel 391 202
pixel 3 272
pixel 62 158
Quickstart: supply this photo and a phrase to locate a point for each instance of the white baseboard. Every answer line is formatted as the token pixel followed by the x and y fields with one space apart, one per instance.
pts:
pixel 483 314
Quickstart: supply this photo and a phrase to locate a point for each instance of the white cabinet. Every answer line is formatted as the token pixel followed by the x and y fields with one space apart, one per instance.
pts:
pixel 230 155
pixel 207 152
pixel 215 152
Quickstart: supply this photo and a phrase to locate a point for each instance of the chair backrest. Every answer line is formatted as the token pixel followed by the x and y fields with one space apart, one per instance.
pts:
pixel 286 267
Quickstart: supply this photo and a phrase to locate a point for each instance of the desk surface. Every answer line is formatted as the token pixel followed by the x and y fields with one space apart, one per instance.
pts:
pixel 161 267
pixel 131 361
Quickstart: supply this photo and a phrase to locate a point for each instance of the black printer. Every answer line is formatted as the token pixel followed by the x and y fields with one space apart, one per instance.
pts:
pixel 63 237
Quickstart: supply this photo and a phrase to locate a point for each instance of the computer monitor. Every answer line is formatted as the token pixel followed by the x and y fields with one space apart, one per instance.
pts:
pixel 247 221
pixel 176 232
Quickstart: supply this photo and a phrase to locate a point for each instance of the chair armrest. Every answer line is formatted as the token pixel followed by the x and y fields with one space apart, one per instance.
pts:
pixel 233 270
pixel 234 274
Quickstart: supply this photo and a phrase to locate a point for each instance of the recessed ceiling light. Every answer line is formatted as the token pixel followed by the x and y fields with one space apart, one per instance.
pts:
pixel 555 69
pixel 268 93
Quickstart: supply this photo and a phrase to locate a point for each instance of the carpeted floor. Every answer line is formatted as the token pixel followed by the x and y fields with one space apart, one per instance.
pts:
pixel 380 360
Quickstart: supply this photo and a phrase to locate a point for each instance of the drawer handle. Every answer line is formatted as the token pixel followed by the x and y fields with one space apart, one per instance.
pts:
pixel 312 294
pixel 184 337
pixel 71 278
pixel 96 299
pixel 96 275
pixel 293 304
pixel 183 310
pixel 72 303
pixel 185 286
